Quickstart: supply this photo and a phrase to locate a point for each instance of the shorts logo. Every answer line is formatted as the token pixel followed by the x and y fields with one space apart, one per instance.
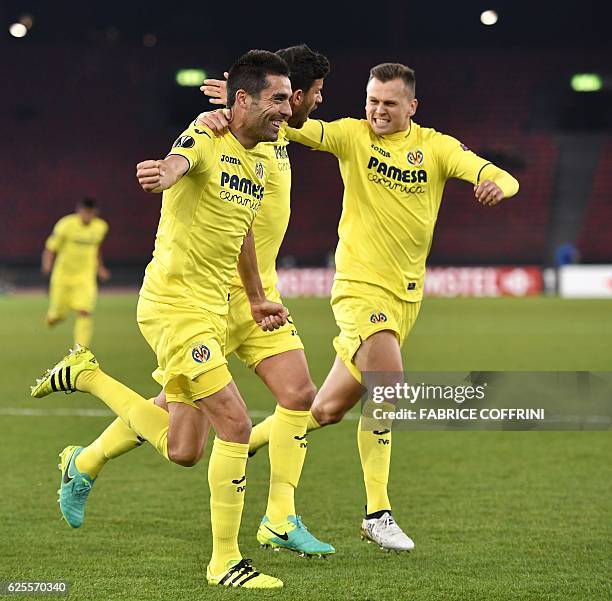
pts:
pixel 259 170
pixel 378 317
pixel 200 353
pixel 415 157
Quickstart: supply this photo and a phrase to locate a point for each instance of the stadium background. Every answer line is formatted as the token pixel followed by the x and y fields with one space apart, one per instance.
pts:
pixel 91 90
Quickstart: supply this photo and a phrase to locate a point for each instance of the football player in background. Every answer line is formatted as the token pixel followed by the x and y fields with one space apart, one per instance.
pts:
pixel 73 257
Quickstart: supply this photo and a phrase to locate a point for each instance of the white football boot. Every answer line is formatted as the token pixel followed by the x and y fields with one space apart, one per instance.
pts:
pixel 385 532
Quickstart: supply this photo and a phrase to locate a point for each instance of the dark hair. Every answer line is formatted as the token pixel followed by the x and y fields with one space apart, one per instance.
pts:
pixel 249 73
pixel 389 71
pixel 88 203
pixel 305 66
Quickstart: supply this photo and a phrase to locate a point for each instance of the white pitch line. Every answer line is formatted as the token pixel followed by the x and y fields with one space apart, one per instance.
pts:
pixel 60 412
pixel 351 416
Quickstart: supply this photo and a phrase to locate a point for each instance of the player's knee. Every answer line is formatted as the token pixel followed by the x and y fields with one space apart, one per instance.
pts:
pixel 185 456
pixel 242 429
pixel 298 397
pixel 160 401
pixel 328 413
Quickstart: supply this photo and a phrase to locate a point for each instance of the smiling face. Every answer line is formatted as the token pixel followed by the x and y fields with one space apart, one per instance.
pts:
pixel 303 103
pixel 389 106
pixel 264 114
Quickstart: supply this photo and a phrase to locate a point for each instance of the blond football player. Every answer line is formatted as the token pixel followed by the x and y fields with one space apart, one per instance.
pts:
pixel 394 172
pixel 73 258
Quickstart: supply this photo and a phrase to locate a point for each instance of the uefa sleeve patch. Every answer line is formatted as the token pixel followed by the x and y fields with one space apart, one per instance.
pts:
pixel 184 142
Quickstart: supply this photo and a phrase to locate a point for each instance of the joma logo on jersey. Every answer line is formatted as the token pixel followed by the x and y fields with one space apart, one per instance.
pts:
pixel 408 176
pixel 378 317
pixel 232 160
pixel 415 157
pixel 200 353
pixel 242 184
pixel 381 151
pixel 281 152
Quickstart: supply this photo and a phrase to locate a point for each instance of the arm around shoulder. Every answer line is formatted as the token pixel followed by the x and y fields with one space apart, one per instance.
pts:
pixel 334 137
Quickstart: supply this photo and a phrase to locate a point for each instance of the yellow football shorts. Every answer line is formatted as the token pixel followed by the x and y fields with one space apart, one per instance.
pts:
pixel 245 338
pixel 189 344
pixel 71 295
pixel 362 309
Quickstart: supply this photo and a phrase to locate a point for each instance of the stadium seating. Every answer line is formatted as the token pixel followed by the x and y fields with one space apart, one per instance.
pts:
pixel 87 142
pixel 594 243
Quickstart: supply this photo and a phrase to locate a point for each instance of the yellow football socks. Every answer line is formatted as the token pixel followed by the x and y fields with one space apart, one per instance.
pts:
pixel 260 434
pixel 375 455
pixel 287 452
pixel 146 419
pixel 83 329
pixel 227 482
pixel 312 424
pixel 115 441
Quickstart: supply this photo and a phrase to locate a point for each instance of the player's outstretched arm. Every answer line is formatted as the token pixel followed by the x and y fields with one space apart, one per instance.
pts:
pixel 269 315
pixel 157 176
pixel 216 90
pixel 491 184
pixel 499 185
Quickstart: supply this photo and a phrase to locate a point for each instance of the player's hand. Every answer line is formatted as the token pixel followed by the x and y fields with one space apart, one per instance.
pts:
pixel 151 175
pixel 269 316
pixel 103 274
pixel 488 193
pixel 45 269
pixel 217 121
pixel 216 90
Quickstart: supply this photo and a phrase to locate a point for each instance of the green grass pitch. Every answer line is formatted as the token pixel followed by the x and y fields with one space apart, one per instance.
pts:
pixel 495 515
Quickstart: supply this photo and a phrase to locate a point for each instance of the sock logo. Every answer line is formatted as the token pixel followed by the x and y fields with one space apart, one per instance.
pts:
pixel 303 441
pixel 240 481
pixel 200 353
pixel 382 433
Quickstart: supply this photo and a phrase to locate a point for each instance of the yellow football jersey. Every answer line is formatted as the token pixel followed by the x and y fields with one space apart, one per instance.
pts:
pixel 393 186
pixel 271 223
pixel 204 219
pixel 76 245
